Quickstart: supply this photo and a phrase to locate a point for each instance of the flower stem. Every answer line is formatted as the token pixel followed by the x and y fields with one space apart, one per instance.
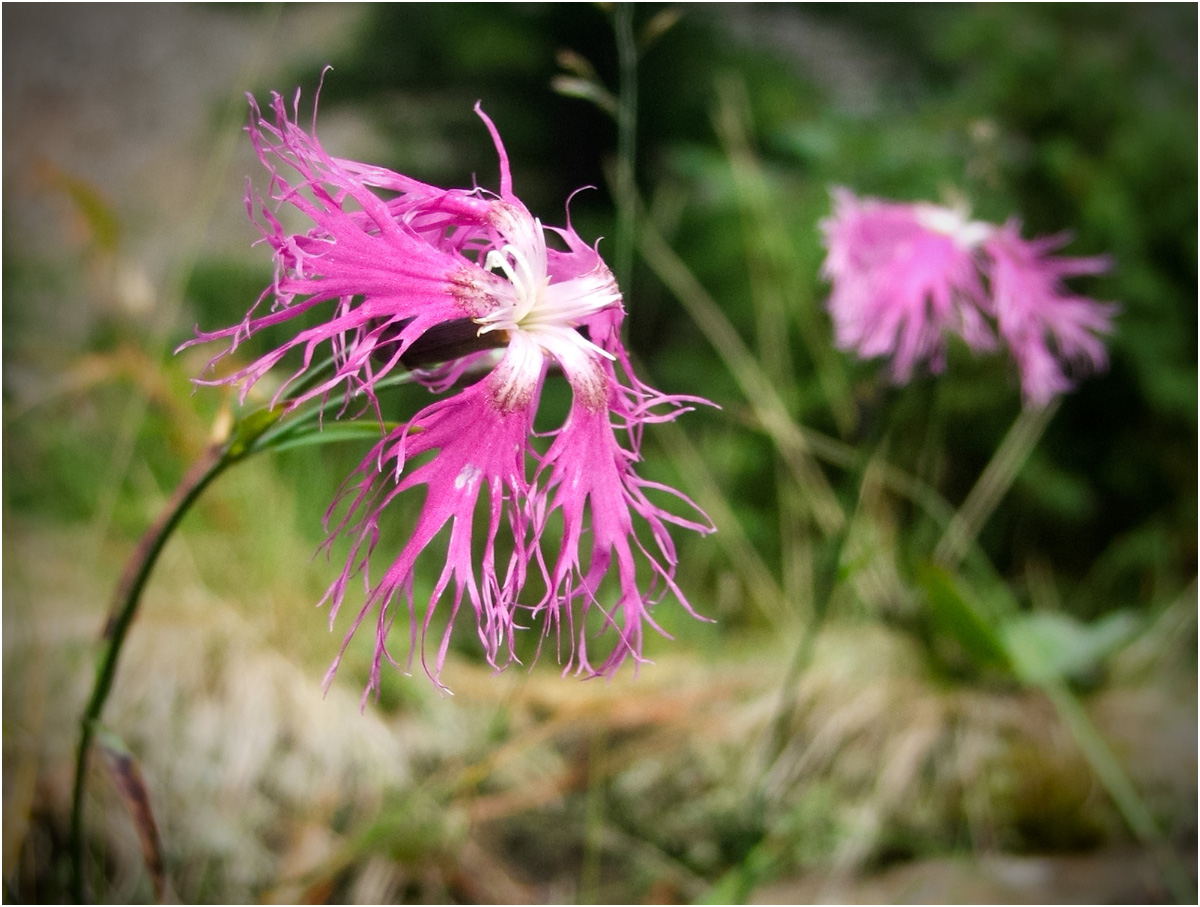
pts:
pixel 125 604
pixel 249 435
pixel 995 480
pixel 257 431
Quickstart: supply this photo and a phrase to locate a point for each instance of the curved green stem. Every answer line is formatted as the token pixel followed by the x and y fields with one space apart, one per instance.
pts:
pixel 129 592
pixel 251 435
pixel 261 430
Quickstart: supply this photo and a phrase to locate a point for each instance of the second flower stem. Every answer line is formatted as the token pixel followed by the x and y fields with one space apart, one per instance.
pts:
pixel 995 480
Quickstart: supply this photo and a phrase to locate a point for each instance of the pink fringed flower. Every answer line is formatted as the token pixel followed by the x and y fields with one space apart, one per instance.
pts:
pixel 906 276
pixel 400 266
pixel 1043 324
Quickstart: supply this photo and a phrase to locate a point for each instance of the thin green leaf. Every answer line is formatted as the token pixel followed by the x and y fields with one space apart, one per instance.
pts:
pixel 956 616
pixel 332 434
pixel 583 89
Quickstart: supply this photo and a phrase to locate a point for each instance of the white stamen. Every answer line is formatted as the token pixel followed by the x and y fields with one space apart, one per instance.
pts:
pixel 537 307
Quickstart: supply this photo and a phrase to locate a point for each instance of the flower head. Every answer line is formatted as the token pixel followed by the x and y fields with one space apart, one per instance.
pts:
pixel 393 262
pixel 1049 330
pixel 906 276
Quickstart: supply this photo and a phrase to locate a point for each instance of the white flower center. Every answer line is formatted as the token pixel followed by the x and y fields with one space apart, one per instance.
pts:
pixel 953 222
pixel 547 312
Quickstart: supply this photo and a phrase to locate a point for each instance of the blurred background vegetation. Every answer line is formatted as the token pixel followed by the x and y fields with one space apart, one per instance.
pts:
pixel 856 723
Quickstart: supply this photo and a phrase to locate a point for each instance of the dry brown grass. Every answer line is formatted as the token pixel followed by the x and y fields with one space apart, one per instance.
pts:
pixel 525 787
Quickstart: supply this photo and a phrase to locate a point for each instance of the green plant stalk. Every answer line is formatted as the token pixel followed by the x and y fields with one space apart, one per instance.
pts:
pixel 215 461
pixel 777 303
pixel 251 435
pixel 760 230
pixel 737 885
pixel 627 60
pixel 764 400
pixel 1129 802
pixel 190 239
pixel 781 292
pixel 995 480
pixel 993 483
pixel 593 827
pixel 765 592
pixel 828 575
pixel 258 431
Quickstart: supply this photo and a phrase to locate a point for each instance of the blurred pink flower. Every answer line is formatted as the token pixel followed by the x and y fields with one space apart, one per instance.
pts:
pixel 1043 324
pixel 398 266
pixel 906 276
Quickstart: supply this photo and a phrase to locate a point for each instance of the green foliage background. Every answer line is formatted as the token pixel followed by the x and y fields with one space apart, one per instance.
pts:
pixel 1077 118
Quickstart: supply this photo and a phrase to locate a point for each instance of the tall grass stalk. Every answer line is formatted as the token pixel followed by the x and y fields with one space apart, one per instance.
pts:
pixel 779 285
pixel 627 106
pixel 1121 789
pixel 190 238
pixel 756 576
pixel 769 408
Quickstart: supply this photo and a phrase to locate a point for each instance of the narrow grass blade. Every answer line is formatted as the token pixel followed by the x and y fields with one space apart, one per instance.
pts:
pixel 759 391
pixel 127 776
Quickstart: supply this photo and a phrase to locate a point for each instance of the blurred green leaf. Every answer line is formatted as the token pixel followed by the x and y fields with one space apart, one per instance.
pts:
pixel 1046 646
pixel 98 213
pixel 954 615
